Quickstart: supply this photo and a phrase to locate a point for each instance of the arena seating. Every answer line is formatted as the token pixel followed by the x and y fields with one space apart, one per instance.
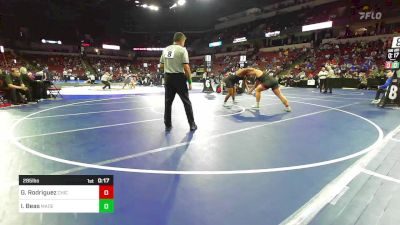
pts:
pixel 58 63
pixel 349 60
pixel 10 60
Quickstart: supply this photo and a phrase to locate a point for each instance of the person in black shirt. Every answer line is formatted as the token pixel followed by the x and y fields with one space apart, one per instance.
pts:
pixel 16 88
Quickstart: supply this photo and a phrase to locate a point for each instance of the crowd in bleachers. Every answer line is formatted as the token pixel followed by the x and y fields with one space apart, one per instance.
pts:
pixel 104 64
pixel 19 85
pixel 57 65
pixel 347 60
pixel 9 60
pixel 358 60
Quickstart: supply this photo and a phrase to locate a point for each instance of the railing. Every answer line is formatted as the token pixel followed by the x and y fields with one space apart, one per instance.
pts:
pixel 277 48
pixel 358 39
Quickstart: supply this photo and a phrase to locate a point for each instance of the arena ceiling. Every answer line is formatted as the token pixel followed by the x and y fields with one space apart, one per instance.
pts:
pixel 108 18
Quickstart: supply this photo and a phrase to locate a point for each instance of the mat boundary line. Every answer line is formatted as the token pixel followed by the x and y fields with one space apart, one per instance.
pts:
pixel 309 210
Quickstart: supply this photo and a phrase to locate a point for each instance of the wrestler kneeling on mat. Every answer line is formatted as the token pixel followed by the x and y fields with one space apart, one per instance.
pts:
pixel 264 82
pixel 230 83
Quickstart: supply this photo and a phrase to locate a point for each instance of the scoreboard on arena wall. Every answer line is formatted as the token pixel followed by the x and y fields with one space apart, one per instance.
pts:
pixel 393 54
pixel 396 42
pixel 392 65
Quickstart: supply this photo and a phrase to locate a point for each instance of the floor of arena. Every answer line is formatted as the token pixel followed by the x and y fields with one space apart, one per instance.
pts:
pixel 240 167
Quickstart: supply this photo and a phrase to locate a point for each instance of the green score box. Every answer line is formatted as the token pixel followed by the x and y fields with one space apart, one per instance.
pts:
pixel 106 206
pixel 392 65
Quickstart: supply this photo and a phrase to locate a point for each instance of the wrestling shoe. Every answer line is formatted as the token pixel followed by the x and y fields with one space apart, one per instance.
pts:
pixel 287 109
pixel 193 127
pixel 256 107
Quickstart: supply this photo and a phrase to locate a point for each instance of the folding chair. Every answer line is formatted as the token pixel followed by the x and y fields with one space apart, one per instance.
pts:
pixel 54 91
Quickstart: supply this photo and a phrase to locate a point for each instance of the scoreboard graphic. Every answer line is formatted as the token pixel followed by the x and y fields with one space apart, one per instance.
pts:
pixel 66 194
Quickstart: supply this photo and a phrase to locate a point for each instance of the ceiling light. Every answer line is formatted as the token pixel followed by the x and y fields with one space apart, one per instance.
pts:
pixel 181 2
pixel 153 7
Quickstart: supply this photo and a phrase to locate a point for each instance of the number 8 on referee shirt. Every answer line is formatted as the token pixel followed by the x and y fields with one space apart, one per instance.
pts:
pixel 169 54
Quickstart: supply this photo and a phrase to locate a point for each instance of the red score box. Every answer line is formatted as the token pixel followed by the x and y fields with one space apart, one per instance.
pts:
pixel 106 191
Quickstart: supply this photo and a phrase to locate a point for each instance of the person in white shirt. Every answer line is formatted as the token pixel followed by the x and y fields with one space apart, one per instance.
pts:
pixel 65 75
pixel 105 79
pixel 331 75
pixel 174 61
pixel 323 74
pixel 302 75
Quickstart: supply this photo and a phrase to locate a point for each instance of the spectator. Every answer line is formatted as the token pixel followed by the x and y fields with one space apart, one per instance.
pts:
pixel 16 89
pixel 322 79
pixel 329 81
pixel 302 75
pixel 363 82
pixel 105 79
pixel 382 88
pixel 29 83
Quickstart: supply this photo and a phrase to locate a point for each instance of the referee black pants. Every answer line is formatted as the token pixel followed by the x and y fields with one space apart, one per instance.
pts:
pixel 323 85
pixel 329 82
pixel 175 83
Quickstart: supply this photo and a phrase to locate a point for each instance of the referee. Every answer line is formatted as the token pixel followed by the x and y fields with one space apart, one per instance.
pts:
pixel 175 62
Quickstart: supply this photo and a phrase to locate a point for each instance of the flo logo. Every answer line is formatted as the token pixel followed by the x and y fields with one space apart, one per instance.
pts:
pixel 367 13
pixel 370 15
